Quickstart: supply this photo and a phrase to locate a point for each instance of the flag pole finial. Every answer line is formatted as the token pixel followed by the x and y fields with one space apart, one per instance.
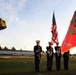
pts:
pixel 53 11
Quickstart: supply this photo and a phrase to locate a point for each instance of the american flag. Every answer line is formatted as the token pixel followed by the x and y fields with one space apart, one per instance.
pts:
pixel 54 32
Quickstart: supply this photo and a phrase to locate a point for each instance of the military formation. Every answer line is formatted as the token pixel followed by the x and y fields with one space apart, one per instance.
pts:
pixel 50 55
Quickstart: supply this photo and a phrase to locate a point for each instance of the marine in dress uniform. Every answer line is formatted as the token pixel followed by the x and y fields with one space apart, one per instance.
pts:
pixel 57 55
pixel 49 54
pixel 37 51
pixel 66 59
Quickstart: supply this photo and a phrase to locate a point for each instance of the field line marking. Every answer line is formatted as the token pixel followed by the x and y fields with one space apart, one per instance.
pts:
pixel 73 73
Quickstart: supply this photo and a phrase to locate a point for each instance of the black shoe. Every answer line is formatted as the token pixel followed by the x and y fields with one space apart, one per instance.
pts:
pixel 48 70
pixel 58 70
pixel 66 69
pixel 51 70
pixel 37 70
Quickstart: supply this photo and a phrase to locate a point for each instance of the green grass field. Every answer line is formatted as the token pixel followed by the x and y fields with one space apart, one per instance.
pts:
pixel 25 66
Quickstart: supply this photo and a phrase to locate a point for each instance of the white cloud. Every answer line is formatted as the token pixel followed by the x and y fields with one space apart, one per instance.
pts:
pixel 11 9
pixel 21 4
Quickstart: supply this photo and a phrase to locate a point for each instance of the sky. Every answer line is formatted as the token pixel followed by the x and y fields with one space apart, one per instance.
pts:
pixel 31 20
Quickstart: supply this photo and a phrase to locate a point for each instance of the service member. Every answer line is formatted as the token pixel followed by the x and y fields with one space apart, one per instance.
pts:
pixel 57 55
pixel 37 51
pixel 49 54
pixel 66 59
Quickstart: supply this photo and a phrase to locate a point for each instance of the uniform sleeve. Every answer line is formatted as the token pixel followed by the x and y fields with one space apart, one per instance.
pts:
pixel 52 50
pixel 68 53
pixel 60 52
pixel 55 49
pixel 34 49
pixel 41 49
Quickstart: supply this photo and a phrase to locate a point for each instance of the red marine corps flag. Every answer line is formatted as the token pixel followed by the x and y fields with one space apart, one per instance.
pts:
pixel 54 30
pixel 70 39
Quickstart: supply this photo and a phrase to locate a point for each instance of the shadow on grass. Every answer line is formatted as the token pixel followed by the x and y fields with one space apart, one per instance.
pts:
pixel 30 73
pixel 54 72
pixel 24 73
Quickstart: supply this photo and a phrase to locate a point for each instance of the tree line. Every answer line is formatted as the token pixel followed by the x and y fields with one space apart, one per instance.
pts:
pixel 6 48
pixel 12 49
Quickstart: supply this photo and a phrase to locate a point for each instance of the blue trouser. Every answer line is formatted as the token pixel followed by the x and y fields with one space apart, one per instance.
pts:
pixel 37 64
pixel 65 64
pixel 58 63
pixel 49 63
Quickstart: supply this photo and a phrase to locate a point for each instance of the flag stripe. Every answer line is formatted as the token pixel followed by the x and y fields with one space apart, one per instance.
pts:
pixel 54 32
